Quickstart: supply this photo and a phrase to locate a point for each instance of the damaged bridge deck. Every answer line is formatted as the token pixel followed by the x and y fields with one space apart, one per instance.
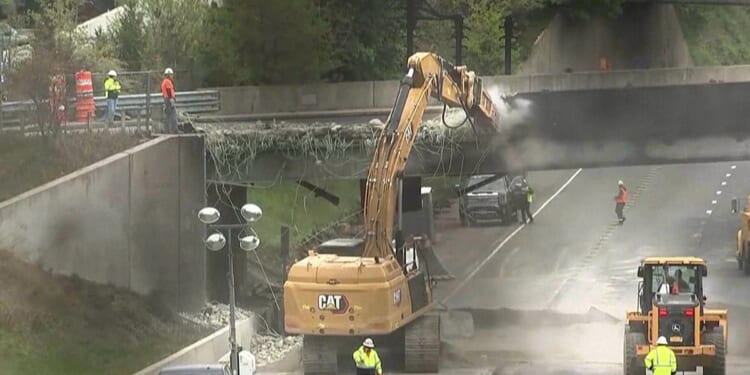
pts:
pixel 540 131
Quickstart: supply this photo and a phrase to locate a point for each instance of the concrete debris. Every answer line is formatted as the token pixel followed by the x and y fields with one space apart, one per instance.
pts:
pixel 216 315
pixel 271 348
pixel 267 348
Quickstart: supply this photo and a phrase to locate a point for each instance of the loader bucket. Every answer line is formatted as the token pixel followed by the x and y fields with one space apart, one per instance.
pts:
pixel 434 266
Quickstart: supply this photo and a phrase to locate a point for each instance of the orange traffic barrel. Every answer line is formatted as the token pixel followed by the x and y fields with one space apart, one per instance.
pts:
pixel 85 104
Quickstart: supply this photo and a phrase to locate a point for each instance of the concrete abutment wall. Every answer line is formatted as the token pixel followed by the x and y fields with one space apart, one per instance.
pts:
pixel 129 220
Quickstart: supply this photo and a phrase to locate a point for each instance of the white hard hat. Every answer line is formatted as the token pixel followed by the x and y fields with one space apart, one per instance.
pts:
pixel 620 182
pixel 168 71
pixel 661 341
pixel 368 343
pixel 112 73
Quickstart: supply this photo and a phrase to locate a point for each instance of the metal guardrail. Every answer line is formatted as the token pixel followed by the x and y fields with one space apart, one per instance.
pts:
pixel 204 101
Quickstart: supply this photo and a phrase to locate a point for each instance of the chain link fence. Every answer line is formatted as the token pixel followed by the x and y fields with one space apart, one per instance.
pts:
pixel 134 104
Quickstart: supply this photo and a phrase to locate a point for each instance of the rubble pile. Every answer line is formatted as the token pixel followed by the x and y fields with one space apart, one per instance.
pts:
pixel 266 347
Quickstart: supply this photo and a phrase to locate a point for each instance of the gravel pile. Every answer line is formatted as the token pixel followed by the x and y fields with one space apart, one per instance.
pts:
pixel 267 348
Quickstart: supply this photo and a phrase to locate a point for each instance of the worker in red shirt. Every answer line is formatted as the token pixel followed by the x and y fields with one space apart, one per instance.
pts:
pixel 168 93
pixel 621 199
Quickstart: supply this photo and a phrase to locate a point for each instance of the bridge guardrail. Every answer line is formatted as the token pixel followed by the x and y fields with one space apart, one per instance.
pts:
pixel 202 101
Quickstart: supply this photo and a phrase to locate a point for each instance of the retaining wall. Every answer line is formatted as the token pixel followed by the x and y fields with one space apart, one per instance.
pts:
pixel 129 220
pixel 380 94
pixel 208 350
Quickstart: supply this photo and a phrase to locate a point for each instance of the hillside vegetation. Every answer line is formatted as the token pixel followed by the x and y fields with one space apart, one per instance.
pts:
pixel 716 35
pixel 53 325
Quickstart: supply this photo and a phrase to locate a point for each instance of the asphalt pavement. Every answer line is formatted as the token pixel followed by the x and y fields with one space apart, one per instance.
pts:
pixel 551 297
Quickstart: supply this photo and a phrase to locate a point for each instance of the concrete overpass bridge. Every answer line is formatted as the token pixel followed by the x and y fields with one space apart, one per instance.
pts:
pixel 588 119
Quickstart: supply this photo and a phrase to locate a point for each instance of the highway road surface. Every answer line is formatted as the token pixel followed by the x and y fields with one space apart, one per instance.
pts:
pixel 550 297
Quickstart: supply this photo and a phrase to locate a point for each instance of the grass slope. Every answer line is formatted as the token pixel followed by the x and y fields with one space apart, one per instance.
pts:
pixel 716 35
pixel 28 162
pixel 57 325
pixel 306 214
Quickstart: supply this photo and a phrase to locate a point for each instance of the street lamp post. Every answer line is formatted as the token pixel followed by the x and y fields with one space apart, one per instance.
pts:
pixel 248 242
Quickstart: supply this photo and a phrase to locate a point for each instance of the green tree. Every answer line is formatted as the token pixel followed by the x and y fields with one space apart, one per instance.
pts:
pixel 56 48
pixel 267 42
pixel 369 38
pixel 585 9
pixel 128 35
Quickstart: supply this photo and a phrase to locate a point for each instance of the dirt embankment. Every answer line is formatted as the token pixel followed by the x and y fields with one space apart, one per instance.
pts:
pixel 59 325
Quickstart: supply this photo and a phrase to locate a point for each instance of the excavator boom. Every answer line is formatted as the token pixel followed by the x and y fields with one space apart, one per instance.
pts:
pixel 334 297
pixel 428 75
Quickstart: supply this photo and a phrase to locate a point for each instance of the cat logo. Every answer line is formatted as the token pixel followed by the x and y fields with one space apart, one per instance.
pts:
pixel 335 303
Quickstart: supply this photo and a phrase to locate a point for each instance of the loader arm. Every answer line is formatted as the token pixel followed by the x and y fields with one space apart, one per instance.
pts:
pixel 428 75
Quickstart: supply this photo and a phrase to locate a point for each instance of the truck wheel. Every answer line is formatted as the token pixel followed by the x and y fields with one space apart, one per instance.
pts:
pixel 630 363
pixel 718 364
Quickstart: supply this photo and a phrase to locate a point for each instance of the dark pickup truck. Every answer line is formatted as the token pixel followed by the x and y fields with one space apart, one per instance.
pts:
pixel 491 202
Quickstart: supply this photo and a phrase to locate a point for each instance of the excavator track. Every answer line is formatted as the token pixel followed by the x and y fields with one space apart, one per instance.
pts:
pixel 422 344
pixel 319 355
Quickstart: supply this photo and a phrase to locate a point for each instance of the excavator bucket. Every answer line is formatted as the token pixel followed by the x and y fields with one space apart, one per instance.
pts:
pixel 435 268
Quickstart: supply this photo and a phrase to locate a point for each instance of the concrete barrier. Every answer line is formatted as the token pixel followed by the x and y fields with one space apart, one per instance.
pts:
pixel 381 94
pixel 128 220
pixel 207 350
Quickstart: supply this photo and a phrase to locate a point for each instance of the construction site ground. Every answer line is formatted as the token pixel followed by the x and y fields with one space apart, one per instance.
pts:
pixel 550 297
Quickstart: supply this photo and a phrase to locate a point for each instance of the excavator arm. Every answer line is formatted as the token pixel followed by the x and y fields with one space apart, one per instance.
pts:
pixel 428 75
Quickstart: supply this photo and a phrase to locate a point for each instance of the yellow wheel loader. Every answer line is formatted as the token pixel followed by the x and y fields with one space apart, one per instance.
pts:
pixel 671 303
pixel 380 286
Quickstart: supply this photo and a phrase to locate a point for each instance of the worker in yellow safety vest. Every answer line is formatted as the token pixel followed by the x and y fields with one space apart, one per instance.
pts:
pixel 367 359
pixel 661 360
pixel 112 92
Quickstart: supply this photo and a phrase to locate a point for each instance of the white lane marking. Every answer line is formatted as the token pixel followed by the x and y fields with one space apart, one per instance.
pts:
pixel 718 192
pixel 728 175
pixel 723 183
pixel 507 260
pixel 708 212
pixel 713 201
pixel 499 247
pixel 733 167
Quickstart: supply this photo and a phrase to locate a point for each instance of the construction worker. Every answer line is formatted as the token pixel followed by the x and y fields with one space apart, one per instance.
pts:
pixel 526 203
pixel 168 93
pixel 111 92
pixel 679 285
pixel 621 199
pixel 661 360
pixel 367 359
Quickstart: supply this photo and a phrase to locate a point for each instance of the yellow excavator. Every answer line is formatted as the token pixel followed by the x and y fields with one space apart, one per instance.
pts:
pixel 380 286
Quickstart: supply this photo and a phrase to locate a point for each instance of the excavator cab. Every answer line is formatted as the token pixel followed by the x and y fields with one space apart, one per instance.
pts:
pixel 671 303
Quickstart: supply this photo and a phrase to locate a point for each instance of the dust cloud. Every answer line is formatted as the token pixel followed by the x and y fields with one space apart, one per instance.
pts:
pixel 512 111
pixel 506 336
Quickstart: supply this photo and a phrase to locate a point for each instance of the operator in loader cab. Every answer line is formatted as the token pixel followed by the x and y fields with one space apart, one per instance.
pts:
pixel 367 359
pixel 661 360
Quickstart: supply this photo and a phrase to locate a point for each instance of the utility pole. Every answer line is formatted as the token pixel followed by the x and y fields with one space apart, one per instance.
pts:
pixel 411 24
pixel 508 28
pixel 458 24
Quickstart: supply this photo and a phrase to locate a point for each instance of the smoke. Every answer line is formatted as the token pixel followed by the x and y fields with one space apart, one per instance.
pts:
pixel 511 110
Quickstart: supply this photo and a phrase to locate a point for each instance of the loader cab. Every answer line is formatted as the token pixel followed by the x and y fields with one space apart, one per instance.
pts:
pixel 665 279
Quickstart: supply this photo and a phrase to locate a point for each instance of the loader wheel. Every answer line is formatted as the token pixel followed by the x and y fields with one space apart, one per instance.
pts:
pixel 630 363
pixel 718 365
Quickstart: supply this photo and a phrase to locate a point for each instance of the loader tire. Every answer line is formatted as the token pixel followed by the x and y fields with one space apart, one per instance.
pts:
pixel 718 365
pixel 630 363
